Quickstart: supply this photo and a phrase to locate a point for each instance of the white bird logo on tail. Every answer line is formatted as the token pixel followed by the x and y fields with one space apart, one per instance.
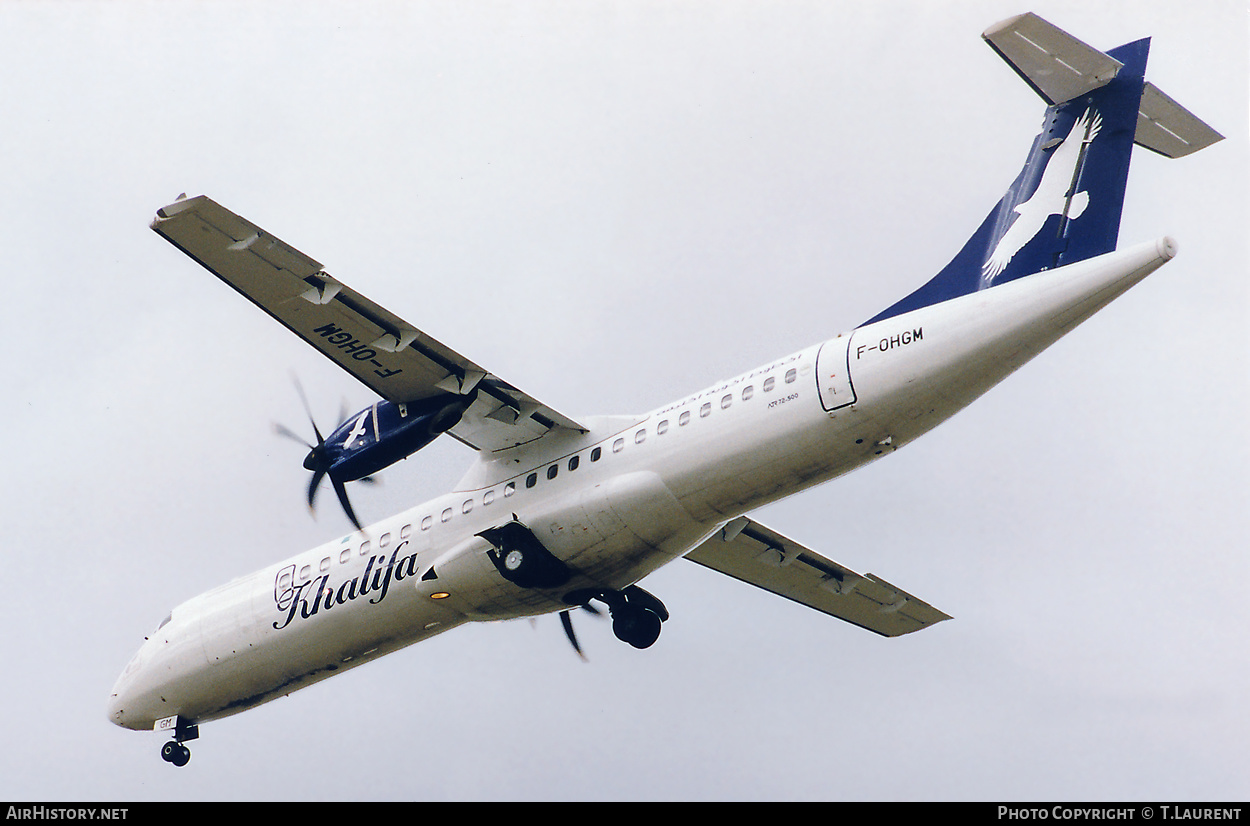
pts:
pixel 1050 197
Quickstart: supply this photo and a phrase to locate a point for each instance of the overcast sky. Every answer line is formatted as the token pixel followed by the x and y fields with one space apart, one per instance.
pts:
pixel 611 204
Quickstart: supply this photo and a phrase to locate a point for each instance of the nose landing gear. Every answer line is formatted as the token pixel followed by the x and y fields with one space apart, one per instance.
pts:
pixel 174 751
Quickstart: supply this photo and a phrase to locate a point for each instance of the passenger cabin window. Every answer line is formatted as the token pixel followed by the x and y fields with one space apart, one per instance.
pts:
pixel 618 445
pixel 364 548
pixel 684 418
pixel 726 400
pixel 791 375
pixel 325 564
pixel 345 557
pixel 747 392
pixel 768 384
pixel 509 489
pixel 661 428
pixel 640 437
pixel 574 461
pixel 531 480
pixel 595 454
pixel 446 517
pixel 705 410
pixel 488 497
pixel 385 541
pixel 427 522
pixel 467 506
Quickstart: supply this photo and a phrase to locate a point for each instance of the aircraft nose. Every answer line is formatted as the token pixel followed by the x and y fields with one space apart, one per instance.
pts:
pixel 120 705
pixel 117 709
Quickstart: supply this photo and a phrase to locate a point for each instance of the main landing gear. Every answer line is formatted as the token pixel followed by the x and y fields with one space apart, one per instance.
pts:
pixel 637 615
pixel 174 751
pixel 522 559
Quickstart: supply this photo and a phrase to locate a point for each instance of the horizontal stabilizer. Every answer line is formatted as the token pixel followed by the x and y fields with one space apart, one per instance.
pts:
pixel 1166 127
pixel 1057 65
pixel 746 550
pixel 1061 68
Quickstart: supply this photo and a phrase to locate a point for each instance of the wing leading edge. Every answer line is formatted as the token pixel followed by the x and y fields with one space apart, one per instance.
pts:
pixel 387 354
pixel 748 551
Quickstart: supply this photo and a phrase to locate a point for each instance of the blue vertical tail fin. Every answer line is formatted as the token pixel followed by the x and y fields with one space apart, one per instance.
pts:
pixel 1066 203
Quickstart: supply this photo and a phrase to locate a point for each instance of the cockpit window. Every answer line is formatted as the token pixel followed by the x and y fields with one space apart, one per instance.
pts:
pixel 165 621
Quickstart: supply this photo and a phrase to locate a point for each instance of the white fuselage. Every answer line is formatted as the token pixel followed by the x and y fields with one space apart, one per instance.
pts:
pixel 614 504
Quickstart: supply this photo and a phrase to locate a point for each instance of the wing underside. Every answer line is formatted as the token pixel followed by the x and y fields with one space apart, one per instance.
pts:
pixel 384 352
pixel 752 553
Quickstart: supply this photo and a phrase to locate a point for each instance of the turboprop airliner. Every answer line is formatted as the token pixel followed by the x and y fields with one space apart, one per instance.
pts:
pixel 557 513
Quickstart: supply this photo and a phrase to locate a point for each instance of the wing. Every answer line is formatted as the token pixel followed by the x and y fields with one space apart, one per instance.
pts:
pixel 386 353
pixel 748 551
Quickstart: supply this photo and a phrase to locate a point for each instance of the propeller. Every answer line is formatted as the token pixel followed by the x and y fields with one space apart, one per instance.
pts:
pixel 566 620
pixel 318 462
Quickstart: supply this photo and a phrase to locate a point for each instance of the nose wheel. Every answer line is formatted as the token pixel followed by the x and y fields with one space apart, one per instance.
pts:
pixel 174 751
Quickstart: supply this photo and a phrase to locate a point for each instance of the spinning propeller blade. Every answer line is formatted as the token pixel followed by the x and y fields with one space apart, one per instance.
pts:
pixel 567 622
pixel 341 491
pixel 317 461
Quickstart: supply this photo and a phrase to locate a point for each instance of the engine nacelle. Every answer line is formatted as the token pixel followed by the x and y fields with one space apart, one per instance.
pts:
pixel 385 432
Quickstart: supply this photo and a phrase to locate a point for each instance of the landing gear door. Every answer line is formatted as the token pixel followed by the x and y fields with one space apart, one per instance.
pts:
pixel 833 375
